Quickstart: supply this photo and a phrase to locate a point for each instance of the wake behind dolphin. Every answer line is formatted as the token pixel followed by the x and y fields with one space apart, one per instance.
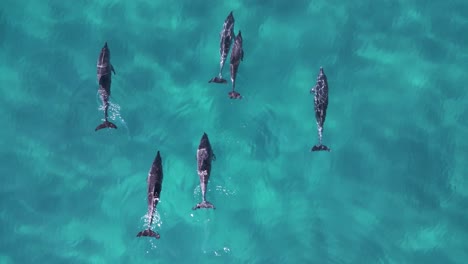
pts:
pixel 114 113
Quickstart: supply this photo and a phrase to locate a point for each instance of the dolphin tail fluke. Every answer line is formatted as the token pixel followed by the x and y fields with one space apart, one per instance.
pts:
pixel 106 124
pixel 217 79
pixel 320 148
pixel 235 95
pixel 204 204
pixel 149 233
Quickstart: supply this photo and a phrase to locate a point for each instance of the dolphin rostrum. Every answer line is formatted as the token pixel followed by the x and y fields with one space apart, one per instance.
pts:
pixel 320 106
pixel 104 76
pixel 155 178
pixel 205 156
pixel 227 36
pixel 237 55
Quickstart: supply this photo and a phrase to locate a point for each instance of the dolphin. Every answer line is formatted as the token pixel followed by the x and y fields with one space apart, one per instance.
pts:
pixel 320 91
pixel 237 55
pixel 205 156
pixel 227 36
pixel 155 178
pixel 104 77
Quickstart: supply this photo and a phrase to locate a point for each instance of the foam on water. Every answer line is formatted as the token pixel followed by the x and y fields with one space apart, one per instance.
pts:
pixel 114 113
pixel 157 222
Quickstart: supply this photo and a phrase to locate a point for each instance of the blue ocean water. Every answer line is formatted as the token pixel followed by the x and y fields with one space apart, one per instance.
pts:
pixel 393 189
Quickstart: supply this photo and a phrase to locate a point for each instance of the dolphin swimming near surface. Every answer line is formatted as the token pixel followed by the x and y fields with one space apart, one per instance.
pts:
pixel 104 77
pixel 227 36
pixel 320 106
pixel 237 55
pixel 155 178
pixel 205 156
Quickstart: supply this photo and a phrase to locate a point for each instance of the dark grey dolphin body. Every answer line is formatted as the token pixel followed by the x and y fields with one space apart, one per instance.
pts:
pixel 205 156
pixel 320 106
pixel 155 178
pixel 237 55
pixel 104 77
pixel 227 35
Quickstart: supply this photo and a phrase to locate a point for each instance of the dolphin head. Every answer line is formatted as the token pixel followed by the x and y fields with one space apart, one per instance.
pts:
pixel 239 37
pixel 158 157
pixel 322 75
pixel 204 142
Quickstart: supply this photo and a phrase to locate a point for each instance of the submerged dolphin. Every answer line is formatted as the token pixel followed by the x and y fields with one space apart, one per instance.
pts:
pixel 227 35
pixel 205 156
pixel 320 106
pixel 104 77
pixel 155 178
pixel 237 55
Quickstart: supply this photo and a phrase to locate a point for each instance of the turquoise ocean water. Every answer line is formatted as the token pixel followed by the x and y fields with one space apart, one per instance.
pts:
pixel 394 188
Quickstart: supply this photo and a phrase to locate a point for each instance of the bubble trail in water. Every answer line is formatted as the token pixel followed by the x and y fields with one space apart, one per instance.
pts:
pixel 156 222
pixel 114 113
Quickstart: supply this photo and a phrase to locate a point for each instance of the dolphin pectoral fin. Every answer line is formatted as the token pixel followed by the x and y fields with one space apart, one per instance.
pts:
pixel 320 148
pixel 148 233
pixel 112 68
pixel 214 157
pixel 217 79
pixel 204 204
pixel 106 124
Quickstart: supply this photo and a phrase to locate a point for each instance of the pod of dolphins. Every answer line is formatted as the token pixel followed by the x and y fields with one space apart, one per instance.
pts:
pixel 205 153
